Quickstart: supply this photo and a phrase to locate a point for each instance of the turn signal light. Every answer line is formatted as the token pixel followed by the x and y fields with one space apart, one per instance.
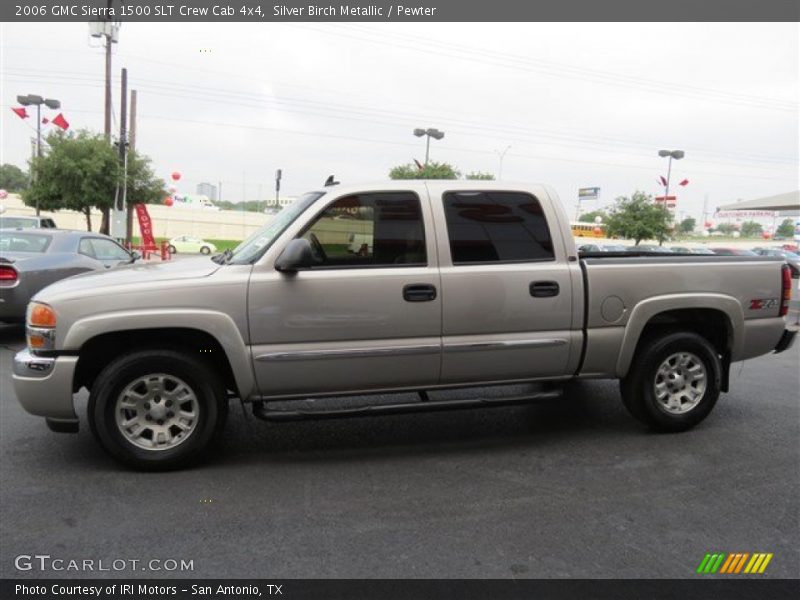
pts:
pixel 41 315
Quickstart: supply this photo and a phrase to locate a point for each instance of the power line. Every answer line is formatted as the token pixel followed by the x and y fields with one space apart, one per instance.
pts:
pixel 365 114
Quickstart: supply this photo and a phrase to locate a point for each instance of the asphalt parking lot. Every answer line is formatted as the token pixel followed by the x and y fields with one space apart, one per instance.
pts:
pixel 572 488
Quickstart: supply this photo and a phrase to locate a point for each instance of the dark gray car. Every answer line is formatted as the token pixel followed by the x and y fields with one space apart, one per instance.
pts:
pixel 33 259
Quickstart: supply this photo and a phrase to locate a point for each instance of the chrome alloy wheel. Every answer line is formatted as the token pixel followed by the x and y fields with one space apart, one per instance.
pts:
pixel 157 412
pixel 680 383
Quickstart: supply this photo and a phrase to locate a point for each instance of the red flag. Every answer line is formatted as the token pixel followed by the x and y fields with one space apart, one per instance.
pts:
pixel 60 121
pixel 663 180
pixel 419 165
pixel 21 112
pixel 684 182
pixel 45 120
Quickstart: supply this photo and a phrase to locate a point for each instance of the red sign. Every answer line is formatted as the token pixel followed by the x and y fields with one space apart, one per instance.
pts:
pixel 145 226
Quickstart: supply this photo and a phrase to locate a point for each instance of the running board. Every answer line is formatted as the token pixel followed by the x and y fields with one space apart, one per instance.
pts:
pixel 261 411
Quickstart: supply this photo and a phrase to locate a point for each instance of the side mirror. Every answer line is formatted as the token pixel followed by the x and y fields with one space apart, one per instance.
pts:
pixel 135 256
pixel 297 256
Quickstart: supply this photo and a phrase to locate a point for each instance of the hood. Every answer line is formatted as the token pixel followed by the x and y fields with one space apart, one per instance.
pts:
pixel 136 273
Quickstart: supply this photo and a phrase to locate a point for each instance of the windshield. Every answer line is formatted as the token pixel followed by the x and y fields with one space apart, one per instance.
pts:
pixel 254 246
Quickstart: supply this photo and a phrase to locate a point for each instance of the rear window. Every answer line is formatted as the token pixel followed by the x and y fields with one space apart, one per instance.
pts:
pixel 491 227
pixel 17 223
pixel 12 241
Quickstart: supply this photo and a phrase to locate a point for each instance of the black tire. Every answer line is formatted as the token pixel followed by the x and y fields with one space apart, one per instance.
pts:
pixel 638 387
pixel 172 249
pixel 208 390
pixel 205 250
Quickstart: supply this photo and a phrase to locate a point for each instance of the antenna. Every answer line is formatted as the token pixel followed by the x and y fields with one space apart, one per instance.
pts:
pixel 330 181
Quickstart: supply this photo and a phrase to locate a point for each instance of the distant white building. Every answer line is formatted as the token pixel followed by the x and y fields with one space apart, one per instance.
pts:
pixel 207 190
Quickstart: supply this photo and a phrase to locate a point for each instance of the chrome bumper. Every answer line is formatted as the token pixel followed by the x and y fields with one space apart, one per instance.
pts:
pixel 43 385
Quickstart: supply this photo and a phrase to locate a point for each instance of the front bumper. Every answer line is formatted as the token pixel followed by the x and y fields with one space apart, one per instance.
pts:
pixel 786 341
pixel 43 385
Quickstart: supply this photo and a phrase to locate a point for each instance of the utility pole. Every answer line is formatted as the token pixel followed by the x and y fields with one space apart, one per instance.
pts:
pixel 118 213
pixel 132 148
pixel 108 36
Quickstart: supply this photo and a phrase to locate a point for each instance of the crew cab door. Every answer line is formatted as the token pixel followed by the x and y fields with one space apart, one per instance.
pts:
pixel 367 317
pixel 506 288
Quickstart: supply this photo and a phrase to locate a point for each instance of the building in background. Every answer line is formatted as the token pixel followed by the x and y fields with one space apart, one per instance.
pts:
pixel 207 190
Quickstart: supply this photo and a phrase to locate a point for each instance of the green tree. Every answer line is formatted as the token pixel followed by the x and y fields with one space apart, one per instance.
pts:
pixel 687 225
pixel 590 216
pixel 12 178
pixel 638 218
pixel 479 175
pixel 751 229
pixel 433 170
pixel 726 228
pixel 79 172
pixel 785 229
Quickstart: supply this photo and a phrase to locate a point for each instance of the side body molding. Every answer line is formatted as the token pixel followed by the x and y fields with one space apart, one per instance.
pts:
pixel 217 324
pixel 647 309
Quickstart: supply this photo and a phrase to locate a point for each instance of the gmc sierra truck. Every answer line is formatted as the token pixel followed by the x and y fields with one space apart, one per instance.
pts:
pixel 388 289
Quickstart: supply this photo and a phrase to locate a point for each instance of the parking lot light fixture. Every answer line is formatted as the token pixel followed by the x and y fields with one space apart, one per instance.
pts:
pixel 431 132
pixel 34 99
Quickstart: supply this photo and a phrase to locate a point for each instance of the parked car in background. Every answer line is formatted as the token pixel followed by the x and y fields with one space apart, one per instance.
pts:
pixel 583 249
pixel 33 259
pixel 188 245
pixel 691 250
pixel 791 258
pixel 649 248
pixel 612 247
pixel 733 252
pixel 26 222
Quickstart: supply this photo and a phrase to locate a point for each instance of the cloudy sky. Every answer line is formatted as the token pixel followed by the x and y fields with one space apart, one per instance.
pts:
pixel 578 104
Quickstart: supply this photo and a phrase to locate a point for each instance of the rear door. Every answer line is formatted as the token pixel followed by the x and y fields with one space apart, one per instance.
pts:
pixel 507 309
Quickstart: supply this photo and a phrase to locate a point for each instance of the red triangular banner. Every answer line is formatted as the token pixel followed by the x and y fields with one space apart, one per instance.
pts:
pixel 21 112
pixel 60 121
pixel 45 120
pixel 684 182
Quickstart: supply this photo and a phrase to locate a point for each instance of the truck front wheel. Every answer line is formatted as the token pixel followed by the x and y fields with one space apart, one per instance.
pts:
pixel 157 409
pixel 673 382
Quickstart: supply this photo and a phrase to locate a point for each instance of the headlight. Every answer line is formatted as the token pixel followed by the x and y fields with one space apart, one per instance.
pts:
pixel 41 327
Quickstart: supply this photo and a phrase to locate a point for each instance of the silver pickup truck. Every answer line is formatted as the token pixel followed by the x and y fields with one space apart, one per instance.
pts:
pixel 387 289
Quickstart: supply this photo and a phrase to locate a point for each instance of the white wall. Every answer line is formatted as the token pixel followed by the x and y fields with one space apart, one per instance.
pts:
pixel 167 221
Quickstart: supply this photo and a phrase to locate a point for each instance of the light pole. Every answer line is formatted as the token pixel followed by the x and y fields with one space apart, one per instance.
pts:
pixel 502 155
pixel 677 155
pixel 33 99
pixel 430 133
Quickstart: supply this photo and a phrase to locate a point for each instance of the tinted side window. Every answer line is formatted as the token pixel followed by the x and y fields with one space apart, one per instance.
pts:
pixel 370 230
pixel 85 247
pixel 108 250
pixel 496 227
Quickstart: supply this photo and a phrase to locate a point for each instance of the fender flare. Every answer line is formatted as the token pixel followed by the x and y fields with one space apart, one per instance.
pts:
pixel 218 325
pixel 649 308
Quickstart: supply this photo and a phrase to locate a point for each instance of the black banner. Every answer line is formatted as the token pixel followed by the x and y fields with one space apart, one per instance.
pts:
pixel 413 589
pixel 259 11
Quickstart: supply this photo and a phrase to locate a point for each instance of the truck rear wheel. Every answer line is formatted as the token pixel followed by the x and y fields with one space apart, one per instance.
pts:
pixel 673 382
pixel 157 409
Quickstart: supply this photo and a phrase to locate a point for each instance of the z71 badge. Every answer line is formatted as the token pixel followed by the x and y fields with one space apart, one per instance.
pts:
pixel 763 303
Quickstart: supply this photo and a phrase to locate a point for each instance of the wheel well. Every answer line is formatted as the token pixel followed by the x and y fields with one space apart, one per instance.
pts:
pixel 97 352
pixel 712 324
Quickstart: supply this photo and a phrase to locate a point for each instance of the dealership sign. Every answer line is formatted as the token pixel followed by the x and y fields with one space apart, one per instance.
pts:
pixel 589 193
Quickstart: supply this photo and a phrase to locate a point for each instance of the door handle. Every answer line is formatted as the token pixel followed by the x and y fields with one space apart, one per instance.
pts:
pixel 544 289
pixel 419 292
